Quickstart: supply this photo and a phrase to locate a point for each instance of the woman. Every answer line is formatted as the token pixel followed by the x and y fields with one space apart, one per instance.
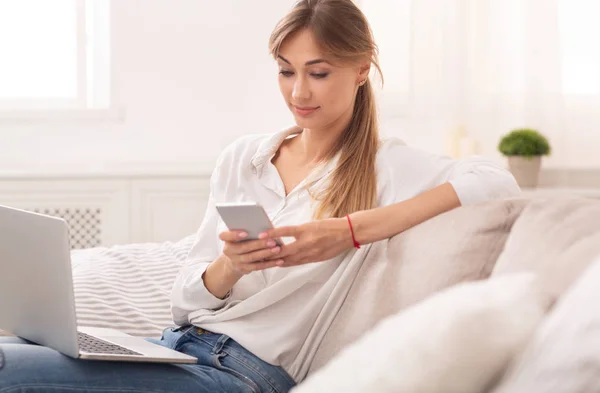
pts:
pixel 252 312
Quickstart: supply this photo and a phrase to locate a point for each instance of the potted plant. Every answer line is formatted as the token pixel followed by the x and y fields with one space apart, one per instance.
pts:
pixel 524 148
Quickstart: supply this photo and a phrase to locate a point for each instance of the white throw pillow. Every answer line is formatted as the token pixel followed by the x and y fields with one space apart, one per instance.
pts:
pixel 456 341
pixel 563 356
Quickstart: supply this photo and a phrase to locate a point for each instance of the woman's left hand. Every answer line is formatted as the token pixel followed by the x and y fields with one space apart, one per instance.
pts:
pixel 316 241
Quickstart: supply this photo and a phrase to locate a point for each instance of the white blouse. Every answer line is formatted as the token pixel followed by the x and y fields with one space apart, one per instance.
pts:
pixel 281 314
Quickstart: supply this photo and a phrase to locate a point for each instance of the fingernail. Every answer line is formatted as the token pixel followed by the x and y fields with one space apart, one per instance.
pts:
pixel 279 262
pixel 263 235
pixel 270 243
pixel 275 250
pixel 242 235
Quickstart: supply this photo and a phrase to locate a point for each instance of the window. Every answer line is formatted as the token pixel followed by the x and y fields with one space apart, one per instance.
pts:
pixel 580 51
pixel 54 55
pixel 496 42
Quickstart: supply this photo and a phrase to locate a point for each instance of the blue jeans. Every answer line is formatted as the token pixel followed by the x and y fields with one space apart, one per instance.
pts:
pixel 223 366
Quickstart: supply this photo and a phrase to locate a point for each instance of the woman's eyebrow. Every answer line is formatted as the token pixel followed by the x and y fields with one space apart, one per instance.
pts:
pixel 311 62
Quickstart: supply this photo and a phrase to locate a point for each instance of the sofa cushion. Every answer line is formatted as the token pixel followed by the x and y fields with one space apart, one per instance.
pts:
pixel 128 287
pixel 554 237
pixel 456 341
pixel 460 245
pixel 563 356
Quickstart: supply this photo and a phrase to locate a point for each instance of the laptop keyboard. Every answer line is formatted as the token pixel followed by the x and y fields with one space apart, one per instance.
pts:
pixel 93 344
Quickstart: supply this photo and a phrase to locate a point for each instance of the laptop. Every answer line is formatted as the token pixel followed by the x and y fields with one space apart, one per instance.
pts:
pixel 37 300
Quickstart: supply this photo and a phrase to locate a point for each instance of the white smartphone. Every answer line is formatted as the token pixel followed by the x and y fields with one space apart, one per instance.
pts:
pixel 250 217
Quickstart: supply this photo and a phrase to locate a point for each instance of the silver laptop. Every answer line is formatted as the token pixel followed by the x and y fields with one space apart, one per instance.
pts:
pixel 37 300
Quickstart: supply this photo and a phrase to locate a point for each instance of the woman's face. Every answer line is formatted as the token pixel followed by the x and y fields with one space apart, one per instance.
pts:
pixel 319 93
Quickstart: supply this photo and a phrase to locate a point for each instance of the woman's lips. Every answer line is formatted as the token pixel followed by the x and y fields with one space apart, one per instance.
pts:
pixel 304 111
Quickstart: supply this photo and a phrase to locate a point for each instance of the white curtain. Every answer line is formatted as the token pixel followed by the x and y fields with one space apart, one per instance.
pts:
pixel 488 66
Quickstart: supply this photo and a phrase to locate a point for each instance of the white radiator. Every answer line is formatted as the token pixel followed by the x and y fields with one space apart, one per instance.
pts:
pixel 104 211
pixel 85 224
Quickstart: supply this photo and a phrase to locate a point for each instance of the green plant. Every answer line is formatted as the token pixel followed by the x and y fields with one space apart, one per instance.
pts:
pixel 524 142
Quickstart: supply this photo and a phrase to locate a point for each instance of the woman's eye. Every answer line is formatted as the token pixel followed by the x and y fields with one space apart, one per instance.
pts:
pixel 286 73
pixel 321 75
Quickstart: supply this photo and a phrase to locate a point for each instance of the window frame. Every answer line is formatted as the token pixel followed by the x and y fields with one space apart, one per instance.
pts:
pixel 94 84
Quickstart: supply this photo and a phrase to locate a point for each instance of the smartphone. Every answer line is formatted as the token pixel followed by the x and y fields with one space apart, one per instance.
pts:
pixel 250 217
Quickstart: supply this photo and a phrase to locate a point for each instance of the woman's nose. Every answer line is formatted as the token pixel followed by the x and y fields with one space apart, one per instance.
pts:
pixel 301 90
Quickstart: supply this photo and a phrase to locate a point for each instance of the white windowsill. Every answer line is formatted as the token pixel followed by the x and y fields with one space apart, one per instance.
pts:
pixel 116 114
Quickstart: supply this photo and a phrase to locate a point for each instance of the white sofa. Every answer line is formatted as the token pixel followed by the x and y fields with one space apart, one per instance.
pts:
pixel 555 239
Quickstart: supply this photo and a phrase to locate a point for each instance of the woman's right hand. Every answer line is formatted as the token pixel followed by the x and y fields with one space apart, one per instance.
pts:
pixel 244 257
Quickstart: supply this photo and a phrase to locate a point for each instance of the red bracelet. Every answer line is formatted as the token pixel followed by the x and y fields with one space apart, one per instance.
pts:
pixel 356 244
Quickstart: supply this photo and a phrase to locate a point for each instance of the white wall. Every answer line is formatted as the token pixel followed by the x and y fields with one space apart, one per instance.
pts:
pixel 192 75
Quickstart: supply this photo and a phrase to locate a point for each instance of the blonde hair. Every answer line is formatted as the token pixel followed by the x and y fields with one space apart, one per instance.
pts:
pixel 343 33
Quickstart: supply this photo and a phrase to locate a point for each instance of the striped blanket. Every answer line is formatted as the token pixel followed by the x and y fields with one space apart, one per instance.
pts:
pixel 128 287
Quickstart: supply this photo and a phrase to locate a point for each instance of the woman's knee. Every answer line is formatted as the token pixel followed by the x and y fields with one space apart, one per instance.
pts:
pixel 40 369
pixel 12 366
pixel 13 340
pixel 26 364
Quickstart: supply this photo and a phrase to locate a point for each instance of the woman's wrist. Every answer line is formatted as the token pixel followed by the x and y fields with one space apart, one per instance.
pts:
pixel 384 222
pixel 219 277
pixel 230 273
pixel 369 225
pixel 356 228
pixel 344 233
pixel 355 243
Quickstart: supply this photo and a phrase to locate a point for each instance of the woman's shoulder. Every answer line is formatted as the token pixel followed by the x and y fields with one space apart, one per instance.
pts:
pixel 408 166
pixel 234 161
pixel 244 144
pixel 254 143
pixel 242 150
pixel 248 152
pixel 397 151
pixel 388 144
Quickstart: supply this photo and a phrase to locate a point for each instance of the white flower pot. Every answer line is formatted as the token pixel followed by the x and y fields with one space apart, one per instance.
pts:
pixel 525 170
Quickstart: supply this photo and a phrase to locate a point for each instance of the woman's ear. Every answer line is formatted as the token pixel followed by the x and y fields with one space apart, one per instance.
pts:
pixel 363 72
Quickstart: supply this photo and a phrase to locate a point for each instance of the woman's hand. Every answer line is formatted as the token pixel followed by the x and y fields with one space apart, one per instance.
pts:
pixel 316 241
pixel 248 256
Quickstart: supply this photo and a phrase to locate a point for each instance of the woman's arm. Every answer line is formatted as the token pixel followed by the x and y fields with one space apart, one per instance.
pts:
pixel 189 292
pixel 324 239
pixel 384 222
pixel 203 282
pixel 219 278
pixel 208 276
pixel 439 183
pixel 237 260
